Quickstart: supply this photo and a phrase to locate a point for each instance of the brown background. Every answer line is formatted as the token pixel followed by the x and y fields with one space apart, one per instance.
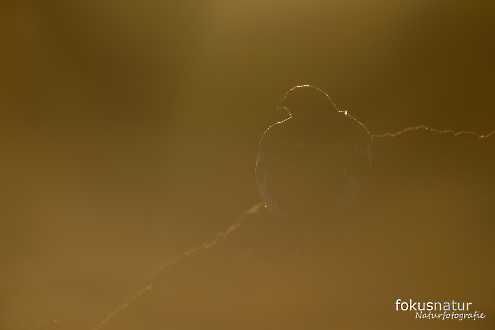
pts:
pixel 129 129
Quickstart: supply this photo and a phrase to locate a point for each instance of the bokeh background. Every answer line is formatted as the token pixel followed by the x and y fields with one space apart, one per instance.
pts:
pixel 129 129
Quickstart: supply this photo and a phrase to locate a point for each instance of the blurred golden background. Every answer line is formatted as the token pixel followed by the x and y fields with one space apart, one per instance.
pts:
pixel 129 129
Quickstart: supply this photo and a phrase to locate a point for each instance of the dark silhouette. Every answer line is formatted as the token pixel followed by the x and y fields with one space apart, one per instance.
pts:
pixel 314 159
